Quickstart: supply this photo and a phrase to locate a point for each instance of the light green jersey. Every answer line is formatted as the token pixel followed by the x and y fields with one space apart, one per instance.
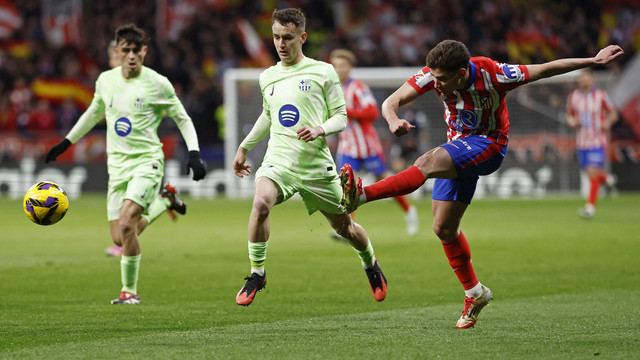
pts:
pixel 294 96
pixel 134 109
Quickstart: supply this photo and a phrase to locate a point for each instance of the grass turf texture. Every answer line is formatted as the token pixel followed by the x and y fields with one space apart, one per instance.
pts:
pixel 564 287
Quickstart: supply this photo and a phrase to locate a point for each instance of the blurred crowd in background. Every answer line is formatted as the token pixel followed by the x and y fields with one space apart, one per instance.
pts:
pixel 53 50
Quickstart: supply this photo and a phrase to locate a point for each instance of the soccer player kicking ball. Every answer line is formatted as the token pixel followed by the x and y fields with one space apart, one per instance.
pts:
pixel 473 91
pixel 302 103
pixel 134 98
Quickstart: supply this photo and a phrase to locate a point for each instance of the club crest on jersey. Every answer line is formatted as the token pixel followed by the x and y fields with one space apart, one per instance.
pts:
pixel 139 103
pixel 486 102
pixel 304 85
pixel 288 115
pixel 123 126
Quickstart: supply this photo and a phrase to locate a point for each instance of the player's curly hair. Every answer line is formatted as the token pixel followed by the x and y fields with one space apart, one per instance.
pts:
pixel 449 55
pixel 131 34
pixel 289 16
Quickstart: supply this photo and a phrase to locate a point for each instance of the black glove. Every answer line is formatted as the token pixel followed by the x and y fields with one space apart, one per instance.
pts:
pixel 57 150
pixel 197 165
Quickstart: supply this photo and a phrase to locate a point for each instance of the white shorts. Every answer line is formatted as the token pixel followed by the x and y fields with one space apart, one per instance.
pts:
pixel 318 193
pixel 139 184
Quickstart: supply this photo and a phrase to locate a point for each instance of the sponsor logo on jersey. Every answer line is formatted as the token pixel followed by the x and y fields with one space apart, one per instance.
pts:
pixel 123 126
pixel 288 115
pixel 466 119
pixel 469 119
pixel 305 85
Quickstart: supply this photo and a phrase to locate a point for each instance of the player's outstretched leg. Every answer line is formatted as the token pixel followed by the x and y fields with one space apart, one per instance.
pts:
pixel 351 190
pixel 377 281
pixel 177 205
pixel 472 308
pixel 126 298
pixel 255 283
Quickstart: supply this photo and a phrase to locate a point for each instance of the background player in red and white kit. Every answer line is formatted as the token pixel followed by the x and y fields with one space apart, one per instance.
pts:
pixel 359 144
pixel 473 93
pixel 591 112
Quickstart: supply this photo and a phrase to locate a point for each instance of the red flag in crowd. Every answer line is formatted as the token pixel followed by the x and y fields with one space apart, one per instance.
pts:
pixel 10 19
pixel 61 20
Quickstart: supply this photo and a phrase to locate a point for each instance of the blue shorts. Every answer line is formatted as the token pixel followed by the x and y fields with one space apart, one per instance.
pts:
pixel 373 164
pixel 591 158
pixel 473 156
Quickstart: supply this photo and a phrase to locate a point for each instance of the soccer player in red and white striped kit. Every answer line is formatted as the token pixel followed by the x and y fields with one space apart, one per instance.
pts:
pixel 591 112
pixel 472 90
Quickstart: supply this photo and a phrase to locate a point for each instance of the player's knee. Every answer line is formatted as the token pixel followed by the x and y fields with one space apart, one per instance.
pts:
pixel 425 163
pixel 260 209
pixel 126 226
pixel 444 233
pixel 346 229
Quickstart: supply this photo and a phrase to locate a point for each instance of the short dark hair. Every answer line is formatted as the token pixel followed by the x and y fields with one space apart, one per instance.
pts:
pixel 289 16
pixel 449 55
pixel 131 34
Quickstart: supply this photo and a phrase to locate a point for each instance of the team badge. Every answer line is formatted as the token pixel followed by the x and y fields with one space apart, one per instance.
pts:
pixel 288 115
pixel 139 103
pixel 486 102
pixel 304 85
pixel 123 126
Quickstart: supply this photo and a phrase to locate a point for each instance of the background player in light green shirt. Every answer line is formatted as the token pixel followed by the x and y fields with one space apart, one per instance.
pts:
pixel 133 97
pixel 302 103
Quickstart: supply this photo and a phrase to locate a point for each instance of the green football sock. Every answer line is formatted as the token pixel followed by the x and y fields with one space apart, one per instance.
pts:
pixel 257 254
pixel 159 205
pixel 366 256
pixel 129 266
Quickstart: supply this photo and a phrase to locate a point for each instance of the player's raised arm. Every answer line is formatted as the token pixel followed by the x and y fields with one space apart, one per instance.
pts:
pixel 561 66
pixel 404 95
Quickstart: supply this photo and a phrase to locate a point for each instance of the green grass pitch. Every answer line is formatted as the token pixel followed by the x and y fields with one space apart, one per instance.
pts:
pixel 565 288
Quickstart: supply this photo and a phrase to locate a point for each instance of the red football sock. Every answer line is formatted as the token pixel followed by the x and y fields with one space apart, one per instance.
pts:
pixel 594 187
pixel 404 203
pixel 404 182
pixel 459 255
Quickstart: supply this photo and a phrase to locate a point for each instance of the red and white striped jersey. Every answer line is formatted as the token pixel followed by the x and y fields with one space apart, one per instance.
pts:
pixel 360 139
pixel 591 110
pixel 479 108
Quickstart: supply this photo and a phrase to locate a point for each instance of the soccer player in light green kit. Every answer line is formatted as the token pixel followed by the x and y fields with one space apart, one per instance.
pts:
pixel 302 103
pixel 133 97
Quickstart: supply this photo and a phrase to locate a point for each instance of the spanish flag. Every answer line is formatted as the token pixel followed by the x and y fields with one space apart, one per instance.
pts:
pixel 57 89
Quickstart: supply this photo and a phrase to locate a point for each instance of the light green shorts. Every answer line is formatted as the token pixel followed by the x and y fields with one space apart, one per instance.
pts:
pixel 140 184
pixel 318 192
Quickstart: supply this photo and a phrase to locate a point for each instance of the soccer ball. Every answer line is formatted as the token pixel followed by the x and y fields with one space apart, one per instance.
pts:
pixel 45 203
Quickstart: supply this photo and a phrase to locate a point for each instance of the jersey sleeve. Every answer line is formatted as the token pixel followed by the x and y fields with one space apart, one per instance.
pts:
pixel 607 103
pixel 570 109
pixel 333 89
pixel 510 76
pixel 174 108
pixel 90 117
pixel 363 106
pixel 422 81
